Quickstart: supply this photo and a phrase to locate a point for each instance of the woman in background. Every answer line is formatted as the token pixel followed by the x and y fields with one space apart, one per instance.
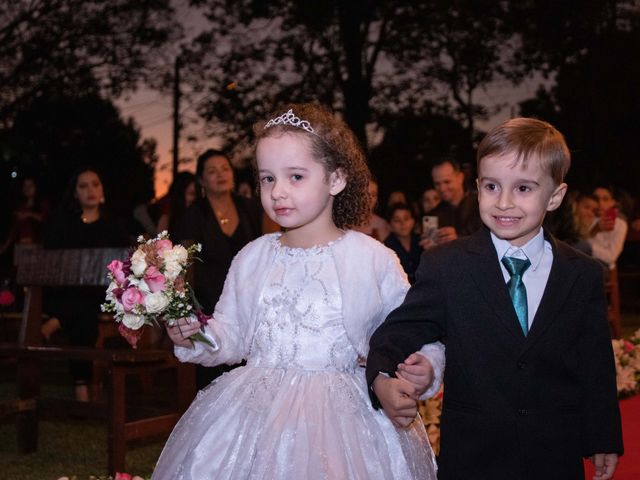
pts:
pixel 28 217
pixel 222 222
pixel 82 222
pixel 609 231
pixel 182 194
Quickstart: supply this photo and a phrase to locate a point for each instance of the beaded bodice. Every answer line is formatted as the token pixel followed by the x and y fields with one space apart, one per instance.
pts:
pixel 300 314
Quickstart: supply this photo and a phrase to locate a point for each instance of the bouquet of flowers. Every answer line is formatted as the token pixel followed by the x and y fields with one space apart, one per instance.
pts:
pixel 149 287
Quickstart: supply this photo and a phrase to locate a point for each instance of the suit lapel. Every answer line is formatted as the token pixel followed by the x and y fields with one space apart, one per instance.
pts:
pixel 561 280
pixel 488 277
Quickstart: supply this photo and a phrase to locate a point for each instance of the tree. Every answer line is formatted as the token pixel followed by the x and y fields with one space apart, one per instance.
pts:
pixel 358 56
pixel 412 143
pixel 58 134
pixel 595 98
pixel 65 46
pixel 465 46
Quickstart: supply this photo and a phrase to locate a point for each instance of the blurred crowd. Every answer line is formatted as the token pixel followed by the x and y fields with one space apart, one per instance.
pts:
pixel 221 210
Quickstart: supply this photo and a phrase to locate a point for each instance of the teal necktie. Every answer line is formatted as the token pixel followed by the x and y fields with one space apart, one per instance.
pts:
pixel 516 268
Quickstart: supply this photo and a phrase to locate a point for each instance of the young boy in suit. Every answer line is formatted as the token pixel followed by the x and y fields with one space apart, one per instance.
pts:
pixel 529 381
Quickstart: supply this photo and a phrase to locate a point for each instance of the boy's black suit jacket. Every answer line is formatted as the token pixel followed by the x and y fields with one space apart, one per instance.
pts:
pixel 515 407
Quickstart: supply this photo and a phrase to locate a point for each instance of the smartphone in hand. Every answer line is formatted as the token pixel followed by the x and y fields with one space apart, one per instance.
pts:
pixel 430 226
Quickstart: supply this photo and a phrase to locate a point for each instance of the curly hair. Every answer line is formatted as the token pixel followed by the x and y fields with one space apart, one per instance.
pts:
pixel 335 146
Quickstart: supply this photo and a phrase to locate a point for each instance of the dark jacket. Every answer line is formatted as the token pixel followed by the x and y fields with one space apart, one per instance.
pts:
pixel 199 225
pixel 465 217
pixel 515 407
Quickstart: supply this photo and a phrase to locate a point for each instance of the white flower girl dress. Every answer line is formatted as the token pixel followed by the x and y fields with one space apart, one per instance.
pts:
pixel 299 409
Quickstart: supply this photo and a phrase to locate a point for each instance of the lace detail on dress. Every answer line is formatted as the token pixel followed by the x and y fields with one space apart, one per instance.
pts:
pixel 261 392
pixel 304 252
pixel 344 396
pixel 300 314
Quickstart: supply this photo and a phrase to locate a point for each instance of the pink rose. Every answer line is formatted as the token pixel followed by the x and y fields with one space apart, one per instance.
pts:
pixel 628 346
pixel 132 297
pixel 6 298
pixel 162 245
pixel 116 269
pixel 122 476
pixel 154 279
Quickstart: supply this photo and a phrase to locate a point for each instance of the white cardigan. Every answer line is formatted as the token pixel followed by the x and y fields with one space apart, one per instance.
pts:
pixel 372 283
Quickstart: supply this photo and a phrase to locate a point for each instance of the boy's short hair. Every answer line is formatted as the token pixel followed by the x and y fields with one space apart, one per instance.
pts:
pixel 528 138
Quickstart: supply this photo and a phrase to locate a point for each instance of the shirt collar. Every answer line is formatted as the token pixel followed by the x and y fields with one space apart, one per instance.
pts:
pixel 533 249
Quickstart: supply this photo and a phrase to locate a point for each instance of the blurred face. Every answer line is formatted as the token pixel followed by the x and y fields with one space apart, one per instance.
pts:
pixel 295 190
pixel 373 195
pixel 29 188
pixel 513 200
pixel 217 176
pixel 402 223
pixel 190 194
pixel 605 200
pixel 448 182
pixel 586 210
pixel 89 190
pixel 430 199
pixel 245 190
pixel 397 197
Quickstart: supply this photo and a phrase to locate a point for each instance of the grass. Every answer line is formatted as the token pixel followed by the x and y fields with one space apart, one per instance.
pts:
pixel 69 447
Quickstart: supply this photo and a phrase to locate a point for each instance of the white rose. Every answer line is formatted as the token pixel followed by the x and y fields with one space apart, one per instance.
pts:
pixel 119 308
pixel 156 302
pixel 138 263
pixel 177 254
pixel 140 284
pixel 132 321
pixel 110 297
pixel 172 270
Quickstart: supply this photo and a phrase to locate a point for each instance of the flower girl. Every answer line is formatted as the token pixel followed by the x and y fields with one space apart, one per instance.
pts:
pixel 299 307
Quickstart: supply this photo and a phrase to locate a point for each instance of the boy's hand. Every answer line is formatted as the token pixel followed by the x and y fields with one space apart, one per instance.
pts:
pixel 605 464
pixel 180 331
pixel 397 400
pixel 417 370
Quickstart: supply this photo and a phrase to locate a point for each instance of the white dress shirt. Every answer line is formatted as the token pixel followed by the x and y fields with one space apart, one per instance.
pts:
pixel 539 253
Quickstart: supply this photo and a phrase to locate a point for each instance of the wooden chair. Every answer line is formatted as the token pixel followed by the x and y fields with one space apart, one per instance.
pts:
pixel 41 268
pixel 612 289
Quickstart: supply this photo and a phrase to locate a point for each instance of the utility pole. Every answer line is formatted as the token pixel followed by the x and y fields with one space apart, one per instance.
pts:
pixel 176 116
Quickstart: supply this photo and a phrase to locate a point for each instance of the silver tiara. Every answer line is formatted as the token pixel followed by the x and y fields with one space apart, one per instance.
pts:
pixel 289 118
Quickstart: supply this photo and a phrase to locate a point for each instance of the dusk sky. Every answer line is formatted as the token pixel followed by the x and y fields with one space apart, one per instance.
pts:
pixel 152 110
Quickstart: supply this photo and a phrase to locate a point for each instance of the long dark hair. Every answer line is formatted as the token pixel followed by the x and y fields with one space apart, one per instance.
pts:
pixel 176 197
pixel 202 160
pixel 70 202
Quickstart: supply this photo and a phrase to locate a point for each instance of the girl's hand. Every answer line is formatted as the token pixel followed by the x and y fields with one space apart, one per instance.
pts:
pixel 417 370
pixel 180 331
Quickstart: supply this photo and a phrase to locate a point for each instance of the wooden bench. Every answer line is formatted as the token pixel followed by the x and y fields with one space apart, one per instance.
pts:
pixel 87 267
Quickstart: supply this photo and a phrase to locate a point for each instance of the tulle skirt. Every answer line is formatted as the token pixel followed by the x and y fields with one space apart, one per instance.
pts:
pixel 270 423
